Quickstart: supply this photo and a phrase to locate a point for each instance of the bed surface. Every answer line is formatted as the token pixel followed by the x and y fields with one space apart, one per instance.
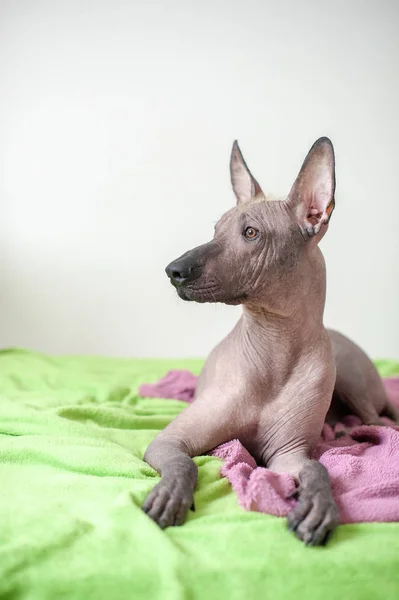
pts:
pixel 72 435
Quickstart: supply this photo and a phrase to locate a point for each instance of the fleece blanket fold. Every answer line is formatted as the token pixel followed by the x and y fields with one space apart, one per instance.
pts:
pixel 73 431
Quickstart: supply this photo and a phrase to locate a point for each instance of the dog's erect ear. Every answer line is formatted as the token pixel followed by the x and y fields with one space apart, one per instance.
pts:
pixel 312 195
pixel 244 185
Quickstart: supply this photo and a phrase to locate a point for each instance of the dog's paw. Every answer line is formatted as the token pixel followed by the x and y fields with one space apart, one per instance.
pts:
pixel 168 502
pixel 314 517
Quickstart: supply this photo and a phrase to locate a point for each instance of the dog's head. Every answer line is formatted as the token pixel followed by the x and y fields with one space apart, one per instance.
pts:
pixel 260 244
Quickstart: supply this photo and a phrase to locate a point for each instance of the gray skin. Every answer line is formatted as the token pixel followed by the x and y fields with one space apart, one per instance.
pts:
pixel 271 381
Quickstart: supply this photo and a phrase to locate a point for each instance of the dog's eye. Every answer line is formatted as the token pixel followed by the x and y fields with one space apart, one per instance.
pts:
pixel 251 233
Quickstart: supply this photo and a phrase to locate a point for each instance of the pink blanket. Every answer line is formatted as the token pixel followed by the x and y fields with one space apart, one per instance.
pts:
pixel 363 465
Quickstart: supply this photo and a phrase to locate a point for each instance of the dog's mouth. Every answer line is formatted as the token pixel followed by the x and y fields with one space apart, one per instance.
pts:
pixel 182 293
pixel 208 294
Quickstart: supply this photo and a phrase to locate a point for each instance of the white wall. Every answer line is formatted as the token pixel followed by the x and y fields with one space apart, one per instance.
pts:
pixel 117 120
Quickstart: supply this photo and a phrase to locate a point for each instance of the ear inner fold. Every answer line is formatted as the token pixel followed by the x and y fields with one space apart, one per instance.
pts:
pixel 312 194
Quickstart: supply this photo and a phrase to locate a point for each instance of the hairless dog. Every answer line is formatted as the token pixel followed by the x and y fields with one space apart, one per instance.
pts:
pixel 270 383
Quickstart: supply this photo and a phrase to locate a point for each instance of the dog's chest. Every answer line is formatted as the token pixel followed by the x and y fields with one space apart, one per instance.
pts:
pixel 282 418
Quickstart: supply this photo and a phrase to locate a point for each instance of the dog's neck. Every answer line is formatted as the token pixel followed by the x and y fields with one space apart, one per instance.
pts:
pixel 295 316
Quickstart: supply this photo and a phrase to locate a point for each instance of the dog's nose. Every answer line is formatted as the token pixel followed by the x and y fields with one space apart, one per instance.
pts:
pixel 181 271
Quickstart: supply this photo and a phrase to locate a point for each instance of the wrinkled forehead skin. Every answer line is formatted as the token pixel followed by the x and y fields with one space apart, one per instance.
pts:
pixel 279 233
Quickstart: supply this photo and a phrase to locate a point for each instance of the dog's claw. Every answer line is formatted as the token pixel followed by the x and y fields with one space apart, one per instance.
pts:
pixel 307 538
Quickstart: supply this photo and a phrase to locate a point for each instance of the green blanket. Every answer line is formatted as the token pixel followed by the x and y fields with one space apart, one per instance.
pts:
pixel 72 479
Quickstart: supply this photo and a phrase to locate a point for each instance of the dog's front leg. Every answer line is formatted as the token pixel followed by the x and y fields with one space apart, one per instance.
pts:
pixel 315 515
pixel 168 502
pixel 197 429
